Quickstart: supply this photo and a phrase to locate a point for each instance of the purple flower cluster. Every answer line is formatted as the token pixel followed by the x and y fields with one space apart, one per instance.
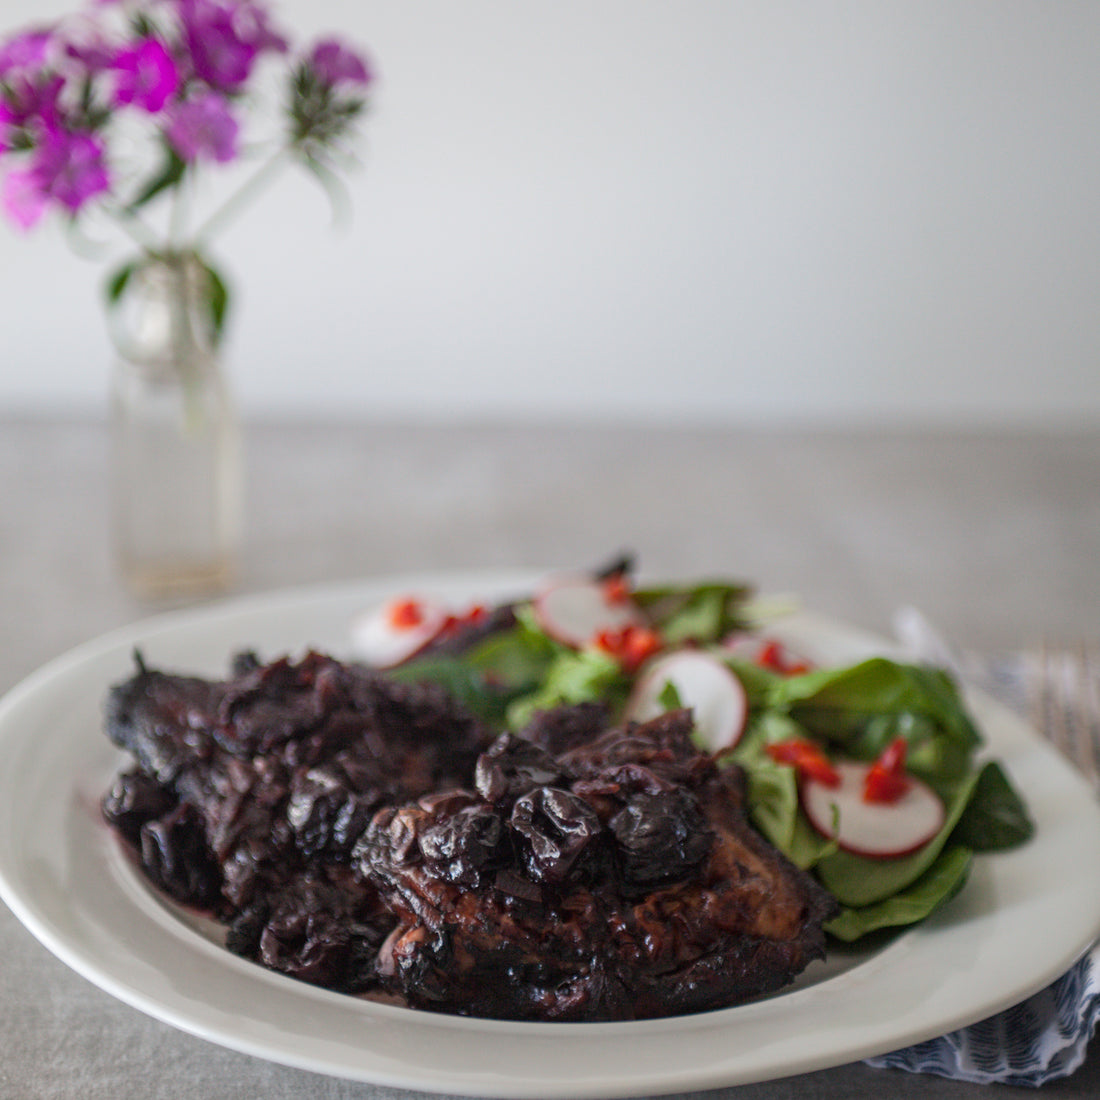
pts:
pixel 182 67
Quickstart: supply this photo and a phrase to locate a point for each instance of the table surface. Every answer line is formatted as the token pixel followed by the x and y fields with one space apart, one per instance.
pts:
pixel 994 535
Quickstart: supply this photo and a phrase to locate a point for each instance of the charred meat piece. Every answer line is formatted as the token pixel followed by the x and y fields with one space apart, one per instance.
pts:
pixel 618 880
pixel 564 728
pixel 249 793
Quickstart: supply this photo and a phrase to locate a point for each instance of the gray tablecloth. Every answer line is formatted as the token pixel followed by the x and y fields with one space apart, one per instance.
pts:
pixel 995 536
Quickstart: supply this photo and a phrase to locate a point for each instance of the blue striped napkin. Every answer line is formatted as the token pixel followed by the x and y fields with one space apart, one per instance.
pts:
pixel 1037 1041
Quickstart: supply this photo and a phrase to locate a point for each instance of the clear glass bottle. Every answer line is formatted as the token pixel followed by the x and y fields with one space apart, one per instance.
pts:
pixel 176 440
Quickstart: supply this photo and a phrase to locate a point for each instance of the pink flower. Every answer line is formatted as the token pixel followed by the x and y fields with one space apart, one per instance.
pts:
pixel 30 101
pixel 70 168
pixel 84 38
pixel 26 50
pixel 69 90
pixel 94 56
pixel 219 54
pixel 334 63
pixel 22 198
pixel 253 25
pixel 147 75
pixel 7 119
pixel 203 127
pixel 28 111
pixel 29 90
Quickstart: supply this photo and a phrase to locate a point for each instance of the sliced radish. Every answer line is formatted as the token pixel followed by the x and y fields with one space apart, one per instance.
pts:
pixel 704 684
pixel 573 610
pixel 880 830
pixel 390 634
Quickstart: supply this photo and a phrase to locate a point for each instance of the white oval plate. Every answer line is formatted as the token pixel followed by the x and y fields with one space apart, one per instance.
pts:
pixel 1023 918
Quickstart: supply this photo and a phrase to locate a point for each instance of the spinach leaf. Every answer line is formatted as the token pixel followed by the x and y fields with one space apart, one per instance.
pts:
pixel 862 707
pixel 941 882
pixel 467 685
pixel 491 675
pixel 996 817
pixel 517 657
pixel 759 683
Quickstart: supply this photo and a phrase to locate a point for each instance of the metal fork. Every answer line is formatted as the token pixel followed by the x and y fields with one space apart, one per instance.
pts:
pixel 1066 702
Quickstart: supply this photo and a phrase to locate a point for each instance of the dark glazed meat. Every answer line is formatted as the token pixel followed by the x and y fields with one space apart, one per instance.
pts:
pixel 372 837
pixel 249 793
pixel 619 880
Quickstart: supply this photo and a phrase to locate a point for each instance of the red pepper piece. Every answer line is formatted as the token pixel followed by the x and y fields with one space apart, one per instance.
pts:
pixel 475 614
pixel 774 657
pixel 631 646
pixel 885 780
pixel 616 588
pixel 641 643
pixel 405 614
pixel 806 757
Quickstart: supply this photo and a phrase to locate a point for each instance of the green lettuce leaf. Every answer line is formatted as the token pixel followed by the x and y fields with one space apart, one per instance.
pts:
pixel 587 675
pixel 702 613
pixel 773 801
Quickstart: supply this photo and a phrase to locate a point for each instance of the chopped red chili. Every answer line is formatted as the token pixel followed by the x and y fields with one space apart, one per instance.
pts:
pixel 630 645
pixel 616 588
pixel 885 780
pixel 807 757
pixel 405 614
pixel 774 656
pixel 474 614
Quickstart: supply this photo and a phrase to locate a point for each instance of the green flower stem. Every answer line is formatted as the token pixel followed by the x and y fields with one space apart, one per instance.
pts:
pixel 140 233
pixel 244 194
pixel 177 219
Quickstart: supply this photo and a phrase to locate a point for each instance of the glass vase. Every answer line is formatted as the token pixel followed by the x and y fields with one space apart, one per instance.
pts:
pixel 176 440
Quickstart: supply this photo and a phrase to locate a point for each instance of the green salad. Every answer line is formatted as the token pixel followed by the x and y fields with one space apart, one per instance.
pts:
pixel 869 775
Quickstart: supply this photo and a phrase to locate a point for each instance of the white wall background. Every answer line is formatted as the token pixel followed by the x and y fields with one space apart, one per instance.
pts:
pixel 701 210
